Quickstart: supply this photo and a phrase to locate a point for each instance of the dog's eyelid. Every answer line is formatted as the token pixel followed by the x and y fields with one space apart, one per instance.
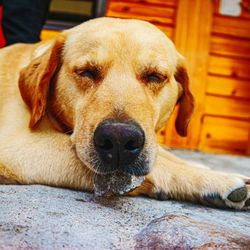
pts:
pixel 86 65
pixel 154 77
pixel 91 72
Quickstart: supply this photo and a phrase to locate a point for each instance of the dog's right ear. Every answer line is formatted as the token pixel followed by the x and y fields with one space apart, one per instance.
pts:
pixel 186 99
pixel 35 78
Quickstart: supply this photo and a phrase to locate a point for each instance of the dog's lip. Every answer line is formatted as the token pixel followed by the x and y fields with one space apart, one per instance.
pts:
pixel 120 170
pixel 126 169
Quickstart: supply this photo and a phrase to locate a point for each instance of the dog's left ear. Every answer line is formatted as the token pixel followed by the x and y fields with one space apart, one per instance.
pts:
pixel 34 79
pixel 186 99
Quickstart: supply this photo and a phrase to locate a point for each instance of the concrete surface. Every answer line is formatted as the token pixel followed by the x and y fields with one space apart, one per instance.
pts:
pixel 221 162
pixel 39 217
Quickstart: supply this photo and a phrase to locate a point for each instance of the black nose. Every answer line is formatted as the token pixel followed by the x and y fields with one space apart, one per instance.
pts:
pixel 118 143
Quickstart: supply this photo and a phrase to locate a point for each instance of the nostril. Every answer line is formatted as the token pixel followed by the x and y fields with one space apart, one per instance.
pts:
pixel 131 145
pixel 106 145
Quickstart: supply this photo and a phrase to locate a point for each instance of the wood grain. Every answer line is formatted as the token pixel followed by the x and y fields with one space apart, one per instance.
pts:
pixel 155 14
pixel 48 34
pixel 224 135
pixel 228 86
pixel 192 39
pixel 234 47
pixel 235 27
pixel 227 66
pixel 169 31
pixel 222 106
pixel 168 3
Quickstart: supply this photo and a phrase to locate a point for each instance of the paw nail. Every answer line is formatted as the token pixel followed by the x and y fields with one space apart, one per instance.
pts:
pixel 238 194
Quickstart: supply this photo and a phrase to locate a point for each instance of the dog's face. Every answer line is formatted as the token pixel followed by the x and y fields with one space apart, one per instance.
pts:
pixel 114 83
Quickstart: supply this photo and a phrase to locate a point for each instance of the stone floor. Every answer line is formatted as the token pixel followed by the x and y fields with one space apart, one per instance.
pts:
pixel 226 163
pixel 39 217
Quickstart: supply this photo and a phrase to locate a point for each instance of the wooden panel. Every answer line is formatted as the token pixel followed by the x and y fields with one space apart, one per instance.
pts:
pixel 227 107
pixel 248 144
pixel 169 31
pixel 230 47
pixel 244 10
pixel 226 124
pixel 171 138
pixel 236 27
pixel 192 39
pixel 233 67
pixel 155 14
pixel 165 3
pixel 224 135
pixel 48 34
pixel 228 87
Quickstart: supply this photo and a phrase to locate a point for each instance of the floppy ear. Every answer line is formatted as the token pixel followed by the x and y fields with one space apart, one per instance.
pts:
pixel 34 80
pixel 186 100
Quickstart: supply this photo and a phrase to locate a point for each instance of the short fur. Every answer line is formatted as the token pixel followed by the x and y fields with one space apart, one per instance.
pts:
pixel 54 94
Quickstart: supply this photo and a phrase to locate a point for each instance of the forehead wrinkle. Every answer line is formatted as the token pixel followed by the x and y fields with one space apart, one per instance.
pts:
pixel 80 49
pixel 147 50
pixel 158 51
pixel 117 46
pixel 96 47
pixel 93 56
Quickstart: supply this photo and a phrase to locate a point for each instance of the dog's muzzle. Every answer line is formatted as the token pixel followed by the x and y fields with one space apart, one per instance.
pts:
pixel 118 144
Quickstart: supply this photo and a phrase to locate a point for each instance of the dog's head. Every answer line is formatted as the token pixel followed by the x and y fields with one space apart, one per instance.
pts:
pixel 114 83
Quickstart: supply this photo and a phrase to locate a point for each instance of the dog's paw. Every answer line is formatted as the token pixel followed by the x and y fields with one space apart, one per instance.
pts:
pixel 236 196
pixel 160 195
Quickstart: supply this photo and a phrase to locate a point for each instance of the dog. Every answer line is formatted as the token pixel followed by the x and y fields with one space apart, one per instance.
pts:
pixel 91 101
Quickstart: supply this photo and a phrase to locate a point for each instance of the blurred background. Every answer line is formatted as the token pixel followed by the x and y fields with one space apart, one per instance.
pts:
pixel 214 36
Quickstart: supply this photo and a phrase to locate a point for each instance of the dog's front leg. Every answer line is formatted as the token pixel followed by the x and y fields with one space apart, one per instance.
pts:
pixel 173 178
pixel 7 176
pixel 43 158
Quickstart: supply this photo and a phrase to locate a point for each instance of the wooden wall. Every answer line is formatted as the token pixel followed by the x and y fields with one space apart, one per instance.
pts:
pixel 226 120
pixel 159 12
pixel 217 49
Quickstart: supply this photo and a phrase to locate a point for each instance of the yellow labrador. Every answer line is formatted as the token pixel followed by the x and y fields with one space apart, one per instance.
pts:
pixel 91 101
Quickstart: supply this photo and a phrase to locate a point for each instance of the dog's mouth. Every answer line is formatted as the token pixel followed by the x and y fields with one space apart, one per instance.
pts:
pixel 118 155
pixel 120 179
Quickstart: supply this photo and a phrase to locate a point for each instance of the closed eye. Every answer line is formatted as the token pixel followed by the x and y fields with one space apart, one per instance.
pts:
pixel 92 73
pixel 153 77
